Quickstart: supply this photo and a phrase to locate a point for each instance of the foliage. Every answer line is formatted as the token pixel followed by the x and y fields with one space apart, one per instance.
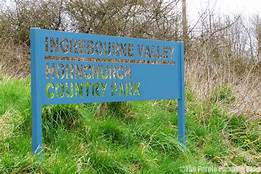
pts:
pixel 16 22
pixel 134 18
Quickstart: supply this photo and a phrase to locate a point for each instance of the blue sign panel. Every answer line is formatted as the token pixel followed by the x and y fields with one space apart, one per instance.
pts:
pixel 69 68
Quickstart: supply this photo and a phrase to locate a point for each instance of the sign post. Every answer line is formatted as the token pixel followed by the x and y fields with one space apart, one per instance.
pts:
pixel 71 68
pixel 181 101
pixel 36 66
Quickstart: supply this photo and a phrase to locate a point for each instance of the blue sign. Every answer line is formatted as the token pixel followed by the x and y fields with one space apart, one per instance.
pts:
pixel 69 68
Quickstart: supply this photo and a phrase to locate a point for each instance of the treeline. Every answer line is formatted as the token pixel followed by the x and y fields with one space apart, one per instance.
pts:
pixel 133 18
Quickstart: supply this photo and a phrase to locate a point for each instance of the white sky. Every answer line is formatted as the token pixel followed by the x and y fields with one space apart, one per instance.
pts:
pixel 247 8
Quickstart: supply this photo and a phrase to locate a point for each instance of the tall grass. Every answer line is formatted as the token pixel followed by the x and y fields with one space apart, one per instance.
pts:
pixel 76 140
pixel 14 57
pixel 207 72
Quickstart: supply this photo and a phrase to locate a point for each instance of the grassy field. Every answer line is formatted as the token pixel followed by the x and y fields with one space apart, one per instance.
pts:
pixel 138 137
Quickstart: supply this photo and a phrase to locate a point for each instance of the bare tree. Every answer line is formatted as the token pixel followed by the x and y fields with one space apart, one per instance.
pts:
pixel 16 22
pixel 135 18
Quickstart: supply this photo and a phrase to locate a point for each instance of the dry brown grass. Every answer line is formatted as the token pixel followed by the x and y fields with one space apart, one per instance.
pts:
pixel 14 58
pixel 205 72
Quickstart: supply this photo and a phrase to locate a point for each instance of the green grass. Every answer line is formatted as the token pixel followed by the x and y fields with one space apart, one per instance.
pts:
pixel 142 140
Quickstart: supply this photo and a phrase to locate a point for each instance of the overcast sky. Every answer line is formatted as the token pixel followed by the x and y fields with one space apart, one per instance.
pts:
pixel 246 8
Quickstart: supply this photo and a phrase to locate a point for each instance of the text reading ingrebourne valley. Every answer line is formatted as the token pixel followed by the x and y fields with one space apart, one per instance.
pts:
pixel 97 68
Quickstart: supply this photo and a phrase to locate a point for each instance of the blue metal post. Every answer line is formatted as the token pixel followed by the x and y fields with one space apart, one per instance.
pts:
pixel 35 86
pixel 181 101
